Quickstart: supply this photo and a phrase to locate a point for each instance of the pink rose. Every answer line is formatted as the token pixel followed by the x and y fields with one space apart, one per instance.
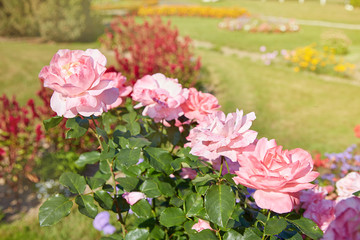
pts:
pixel 75 77
pixel 321 212
pixel 221 135
pixel 201 225
pixel 119 83
pixel 233 166
pixel 348 185
pixel 199 105
pixel 188 173
pixel 277 175
pixel 346 225
pixel 161 96
pixel 316 194
pixel 133 197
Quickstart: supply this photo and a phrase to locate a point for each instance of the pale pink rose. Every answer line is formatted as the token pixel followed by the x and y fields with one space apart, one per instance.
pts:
pixel 75 77
pixel 188 173
pixel 322 212
pixel 346 225
pixel 201 225
pixel 119 83
pixel 133 197
pixel 348 185
pixel 199 105
pixel 277 175
pixel 161 96
pixel 220 135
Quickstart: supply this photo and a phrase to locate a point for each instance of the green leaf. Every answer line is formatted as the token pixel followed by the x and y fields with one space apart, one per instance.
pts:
pixel 95 183
pixel 202 180
pixel 138 142
pixel 157 233
pixel 104 199
pixel 160 159
pixel 52 122
pixel 142 209
pixel 137 234
pixel 166 189
pixel 177 202
pixel 172 217
pixel 250 234
pixel 128 157
pixel 78 127
pixel 128 183
pixel 193 204
pixel 275 226
pixel 74 182
pixel 103 134
pixel 86 205
pixel 306 226
pixel 232 235
pixel 88 158
pixel 357 193
pixel 205 234
pixel 53 210
pixel 150 188
pixel 104 167
pixel 219 204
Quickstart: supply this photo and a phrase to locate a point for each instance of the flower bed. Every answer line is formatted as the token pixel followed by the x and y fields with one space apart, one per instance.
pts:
pixel 310 58
pixel 193 11
pixel 260 24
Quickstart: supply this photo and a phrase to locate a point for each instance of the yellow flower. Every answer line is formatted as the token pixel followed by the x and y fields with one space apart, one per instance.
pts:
pixel 296 69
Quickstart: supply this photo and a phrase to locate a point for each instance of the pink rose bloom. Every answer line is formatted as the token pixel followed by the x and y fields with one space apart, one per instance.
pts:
pixel 316 194
pixel 161 96
pixel 201 225
pixel 348 185
pixel 277 175
pixel 119 83
pixel 75 77
pixel 199 105
pixel 346 225
pixel 322 212
pixel 221 135
pixel 133 197
pixel 188 173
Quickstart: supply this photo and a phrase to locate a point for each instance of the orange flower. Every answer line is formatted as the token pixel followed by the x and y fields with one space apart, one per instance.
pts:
pixel 357 131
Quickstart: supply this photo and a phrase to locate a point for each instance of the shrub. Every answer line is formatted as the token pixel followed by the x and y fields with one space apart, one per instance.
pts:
pixel 68 20
pixel 18 17
pixel 336 42
pixel 355 3
pixel 151 47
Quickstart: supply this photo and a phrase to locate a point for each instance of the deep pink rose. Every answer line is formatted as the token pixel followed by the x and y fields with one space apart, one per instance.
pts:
pixel 201 225
pixel 119 83
pixel 321 212
pixel 133 197
pixel 316 194
pixel 161 96
pixel 348 185
pixel 346 225
pixel 199 105
pixel 75 77
pixel 233 166
pixel 277 175
pixel 221 135
pixel 188 173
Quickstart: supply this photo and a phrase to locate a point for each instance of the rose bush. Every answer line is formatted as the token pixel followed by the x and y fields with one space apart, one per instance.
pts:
pixel 224 184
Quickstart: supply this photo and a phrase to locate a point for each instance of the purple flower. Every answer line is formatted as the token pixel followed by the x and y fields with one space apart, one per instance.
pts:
pixel 101 223
pixel 140 161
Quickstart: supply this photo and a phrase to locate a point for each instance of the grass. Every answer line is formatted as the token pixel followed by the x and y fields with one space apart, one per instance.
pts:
pixel 333 11
pixel 74 227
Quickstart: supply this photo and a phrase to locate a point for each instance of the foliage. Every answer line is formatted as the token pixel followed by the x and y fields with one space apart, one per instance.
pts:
pixel 336 42
pixel 131 5
pixel 190 10
pixel 260 24
pixel 18 17
pixel 151 47
pixel 311 59
pixel 68 20
pixel 355 3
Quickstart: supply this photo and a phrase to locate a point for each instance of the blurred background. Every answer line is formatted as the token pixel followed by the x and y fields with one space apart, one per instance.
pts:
pixel 296 64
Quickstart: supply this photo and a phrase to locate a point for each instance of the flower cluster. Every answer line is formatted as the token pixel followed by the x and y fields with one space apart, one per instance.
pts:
pixel 310 58
pixel 260 24
pixel 156 47
pixel 198 11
